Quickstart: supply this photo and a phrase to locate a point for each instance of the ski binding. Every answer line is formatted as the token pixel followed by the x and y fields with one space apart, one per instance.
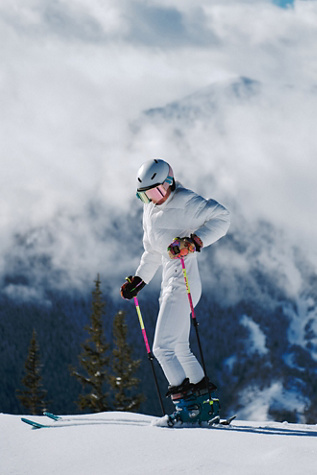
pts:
pixel 216 421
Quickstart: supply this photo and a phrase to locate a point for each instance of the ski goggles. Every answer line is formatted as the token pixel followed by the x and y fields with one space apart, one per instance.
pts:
pixel 153 194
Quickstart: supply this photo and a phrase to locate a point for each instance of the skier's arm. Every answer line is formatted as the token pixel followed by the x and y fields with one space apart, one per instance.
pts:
pixel 149 263
pixel 216 221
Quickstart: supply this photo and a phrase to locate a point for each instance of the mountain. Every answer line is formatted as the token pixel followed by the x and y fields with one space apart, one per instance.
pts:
pixel 204 103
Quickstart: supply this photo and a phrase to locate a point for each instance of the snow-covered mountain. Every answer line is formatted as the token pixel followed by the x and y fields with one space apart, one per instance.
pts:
pixel 205 104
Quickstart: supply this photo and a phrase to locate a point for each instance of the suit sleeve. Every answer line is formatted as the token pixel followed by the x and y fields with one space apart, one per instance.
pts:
pixel 150 261
pixel 215 220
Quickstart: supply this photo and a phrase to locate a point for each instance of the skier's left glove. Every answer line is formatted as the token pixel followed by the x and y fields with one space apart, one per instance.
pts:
pixel 181 247
pixel 132 287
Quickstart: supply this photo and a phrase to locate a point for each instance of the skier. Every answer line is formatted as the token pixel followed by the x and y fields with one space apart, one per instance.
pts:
pixel 172 211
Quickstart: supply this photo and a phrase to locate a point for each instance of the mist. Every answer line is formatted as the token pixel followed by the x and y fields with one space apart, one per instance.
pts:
pixel 84 88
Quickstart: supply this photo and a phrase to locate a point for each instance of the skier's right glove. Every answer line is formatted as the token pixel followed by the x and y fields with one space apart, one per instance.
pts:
pixel 132 287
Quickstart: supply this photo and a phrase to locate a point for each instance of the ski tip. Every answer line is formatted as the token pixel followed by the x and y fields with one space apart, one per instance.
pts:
pixel 51 416
pixel 35 425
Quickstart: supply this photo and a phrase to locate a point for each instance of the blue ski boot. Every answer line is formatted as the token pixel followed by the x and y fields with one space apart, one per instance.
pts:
pixel 192 403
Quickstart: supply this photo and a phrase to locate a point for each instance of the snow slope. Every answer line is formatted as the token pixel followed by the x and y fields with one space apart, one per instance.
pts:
pixel 123 443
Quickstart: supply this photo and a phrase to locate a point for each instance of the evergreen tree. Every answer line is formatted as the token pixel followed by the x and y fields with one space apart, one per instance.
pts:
pixel 123 367
pixel 33 396
pixel 94 359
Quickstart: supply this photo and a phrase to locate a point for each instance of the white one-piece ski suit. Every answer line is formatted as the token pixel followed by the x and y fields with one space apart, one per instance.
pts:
pixel 183 213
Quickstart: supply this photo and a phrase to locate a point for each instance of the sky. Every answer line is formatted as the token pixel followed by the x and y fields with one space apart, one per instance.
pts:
pixel 76 75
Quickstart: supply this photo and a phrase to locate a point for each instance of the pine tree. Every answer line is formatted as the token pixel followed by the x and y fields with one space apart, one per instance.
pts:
pixel 123 367
pixel 94 359
pixel 33 397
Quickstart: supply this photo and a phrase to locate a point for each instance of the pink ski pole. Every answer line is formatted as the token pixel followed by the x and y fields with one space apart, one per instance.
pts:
pixel 149 352
pixel 194 319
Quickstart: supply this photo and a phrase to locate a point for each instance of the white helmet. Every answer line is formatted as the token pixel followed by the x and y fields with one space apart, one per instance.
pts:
pixel 155 175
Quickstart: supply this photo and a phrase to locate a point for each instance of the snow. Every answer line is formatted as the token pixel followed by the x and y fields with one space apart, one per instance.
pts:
pixel 130 444
pixel 258 339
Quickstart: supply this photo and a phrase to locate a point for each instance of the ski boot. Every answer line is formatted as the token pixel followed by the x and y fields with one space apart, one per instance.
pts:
pixel 192 403
pixel 204 386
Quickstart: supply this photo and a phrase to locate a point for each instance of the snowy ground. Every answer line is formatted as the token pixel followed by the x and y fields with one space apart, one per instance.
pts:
pixel 123 443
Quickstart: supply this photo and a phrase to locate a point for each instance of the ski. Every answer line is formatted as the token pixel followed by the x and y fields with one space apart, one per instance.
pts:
pixel 39 425
pixel 216 421
pixel 34 424
pixel 59 421
pixel 52 416
pixel 70 421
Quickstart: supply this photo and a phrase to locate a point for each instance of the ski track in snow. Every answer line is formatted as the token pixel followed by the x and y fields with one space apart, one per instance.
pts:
pixel 129 444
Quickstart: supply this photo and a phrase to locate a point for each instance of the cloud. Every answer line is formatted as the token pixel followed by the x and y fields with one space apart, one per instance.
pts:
pixel 258 403
pixel 258 339
pixel 76 78
pixel 156 24
pixel 163 26
pixel 259 156
pixel 23 293
pixel 66 21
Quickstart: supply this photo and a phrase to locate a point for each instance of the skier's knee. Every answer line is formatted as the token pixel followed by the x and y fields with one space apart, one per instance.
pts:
pixel 157 351
pixel 162 354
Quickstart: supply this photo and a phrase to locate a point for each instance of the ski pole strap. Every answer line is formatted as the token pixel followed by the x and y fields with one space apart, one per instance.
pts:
pixel 138 311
